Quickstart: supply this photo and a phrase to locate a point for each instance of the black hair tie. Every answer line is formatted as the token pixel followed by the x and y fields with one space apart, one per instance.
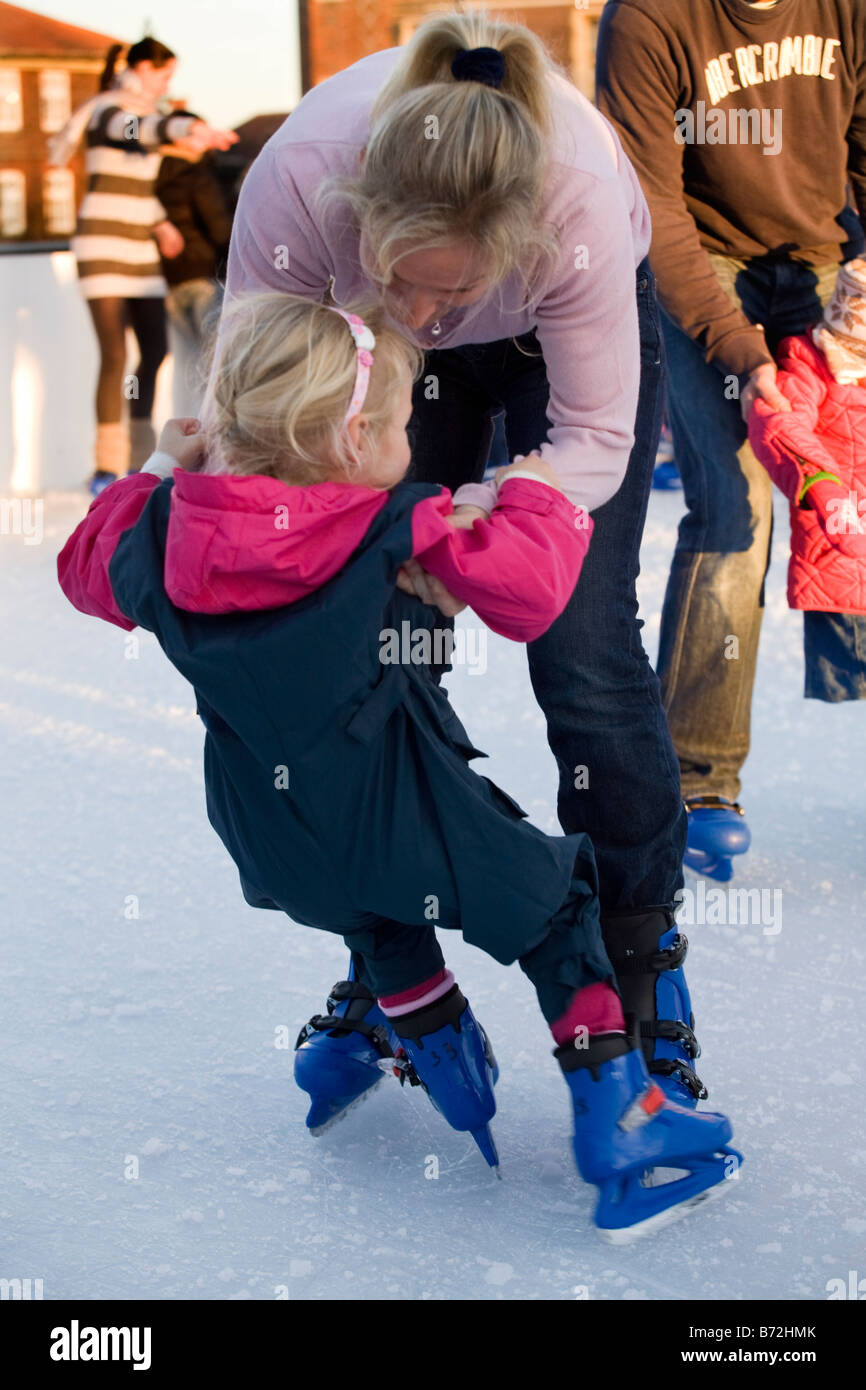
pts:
pixel 485 65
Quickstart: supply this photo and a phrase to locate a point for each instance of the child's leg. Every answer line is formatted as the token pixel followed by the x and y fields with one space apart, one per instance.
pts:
pixel 572 974
pixel 835 651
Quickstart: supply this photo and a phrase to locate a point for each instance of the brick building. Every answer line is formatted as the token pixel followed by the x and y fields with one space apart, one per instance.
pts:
pixel 47 69
pixel 335 33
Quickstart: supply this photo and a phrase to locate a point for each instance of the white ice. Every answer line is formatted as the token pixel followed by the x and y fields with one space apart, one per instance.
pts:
pixel 141 1000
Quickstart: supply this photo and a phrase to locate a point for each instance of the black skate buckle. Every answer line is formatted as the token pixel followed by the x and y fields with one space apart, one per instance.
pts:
pixel 710 799
pixel 404 1070
pixel 680 1071
pixel 326 1023
pixel 673 1031
pixel 346 989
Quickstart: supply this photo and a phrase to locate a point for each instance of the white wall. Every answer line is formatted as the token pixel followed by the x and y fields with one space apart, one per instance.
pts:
pixel 48 367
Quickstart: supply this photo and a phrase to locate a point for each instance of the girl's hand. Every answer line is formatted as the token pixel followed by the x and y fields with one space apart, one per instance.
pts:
pixel 203 137
pixel 531 463
pixel 168 239
pixel 412 579
pixel 183 440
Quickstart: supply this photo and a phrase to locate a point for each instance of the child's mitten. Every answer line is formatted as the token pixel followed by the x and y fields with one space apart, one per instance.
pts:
pixel 841 513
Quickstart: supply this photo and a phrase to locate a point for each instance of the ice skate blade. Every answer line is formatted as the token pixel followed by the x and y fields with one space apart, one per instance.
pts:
pixel 706 1179
pixel 485 1141
pixel 705 866
pixel 318 1130
pixel 627 1235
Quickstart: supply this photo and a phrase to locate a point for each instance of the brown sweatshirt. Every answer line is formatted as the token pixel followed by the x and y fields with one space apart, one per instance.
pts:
pixel 744 126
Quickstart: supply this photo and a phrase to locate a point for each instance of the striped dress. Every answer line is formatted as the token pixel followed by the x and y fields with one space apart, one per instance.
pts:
pixel 114 245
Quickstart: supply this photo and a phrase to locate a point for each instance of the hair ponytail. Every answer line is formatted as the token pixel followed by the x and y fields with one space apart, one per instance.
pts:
pixel 454 160
pixel 108 72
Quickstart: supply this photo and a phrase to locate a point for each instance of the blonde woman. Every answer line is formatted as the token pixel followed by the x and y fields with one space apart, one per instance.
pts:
pixel 492 209
pixel 279 628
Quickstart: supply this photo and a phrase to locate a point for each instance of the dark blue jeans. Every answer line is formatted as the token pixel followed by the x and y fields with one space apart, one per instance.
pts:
pixel 589 672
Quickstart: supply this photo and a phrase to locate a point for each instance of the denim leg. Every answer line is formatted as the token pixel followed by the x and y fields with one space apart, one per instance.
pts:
pixel 592 678
pixel 835 650
pixel 711 618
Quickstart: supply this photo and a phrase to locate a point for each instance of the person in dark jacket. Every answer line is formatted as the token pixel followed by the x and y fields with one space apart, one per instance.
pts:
pixel 337 773
pixel 192 196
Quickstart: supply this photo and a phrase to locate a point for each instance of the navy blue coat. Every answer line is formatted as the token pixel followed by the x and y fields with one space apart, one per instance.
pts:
pixel 340 785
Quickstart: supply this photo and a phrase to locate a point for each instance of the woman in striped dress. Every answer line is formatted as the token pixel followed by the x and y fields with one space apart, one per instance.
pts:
pixel 122 229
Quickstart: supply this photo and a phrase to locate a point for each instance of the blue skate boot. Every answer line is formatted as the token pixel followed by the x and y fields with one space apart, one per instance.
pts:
pixel 647 954
pixel 341 1055
pixel 444 1049
pixel 717 831
pixel 625 1130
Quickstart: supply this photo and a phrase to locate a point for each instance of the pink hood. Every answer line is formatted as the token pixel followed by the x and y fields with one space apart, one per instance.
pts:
pixel 238 543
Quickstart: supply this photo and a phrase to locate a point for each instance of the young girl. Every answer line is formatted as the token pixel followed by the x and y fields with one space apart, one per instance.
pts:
pixel 337 777
pixel 816 453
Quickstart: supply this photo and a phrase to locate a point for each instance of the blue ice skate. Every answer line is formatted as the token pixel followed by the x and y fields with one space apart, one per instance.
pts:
pixel 339 1066
pixel 99 480
pixel 625 1131
pixel 717 831
pixel 444 1049
pixel 647 953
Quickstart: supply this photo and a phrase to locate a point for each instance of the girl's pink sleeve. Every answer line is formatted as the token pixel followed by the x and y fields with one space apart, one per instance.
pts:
pixel 517 569
pixel 82 565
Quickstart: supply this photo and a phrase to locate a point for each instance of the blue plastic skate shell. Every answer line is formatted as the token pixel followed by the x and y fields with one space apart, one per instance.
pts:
pixel 339 1069
pixel 717 831
pixel 625 1131
pixel 457 1069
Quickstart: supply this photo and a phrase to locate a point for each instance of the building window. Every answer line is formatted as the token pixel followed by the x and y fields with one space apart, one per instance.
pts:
pixel 58 201
pixel 53 99
pixel 10 99
pixel 13 203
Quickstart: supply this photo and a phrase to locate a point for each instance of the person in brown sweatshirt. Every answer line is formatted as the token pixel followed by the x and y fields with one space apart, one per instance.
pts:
pixel 746 124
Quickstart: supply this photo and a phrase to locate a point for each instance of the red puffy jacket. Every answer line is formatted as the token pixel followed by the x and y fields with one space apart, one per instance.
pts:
pixel 824 433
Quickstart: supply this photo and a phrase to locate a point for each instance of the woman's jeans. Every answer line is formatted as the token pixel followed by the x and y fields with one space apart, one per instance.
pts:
pixel 619 780
pixel 711 619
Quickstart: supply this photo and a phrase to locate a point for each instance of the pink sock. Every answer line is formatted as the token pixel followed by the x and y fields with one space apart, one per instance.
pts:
pixel 419 996
pixel 596 1008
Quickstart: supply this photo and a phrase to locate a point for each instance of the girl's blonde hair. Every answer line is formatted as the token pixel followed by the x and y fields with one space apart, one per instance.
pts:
pixel 281 379
pixel 448 160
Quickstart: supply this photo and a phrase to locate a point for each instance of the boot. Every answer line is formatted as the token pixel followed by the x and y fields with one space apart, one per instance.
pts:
pixel 111 456
pixel 647 953
pixel 444 1049
pixel 624 1128
pixel 339 1065
pixel 717 831
pixel 142 442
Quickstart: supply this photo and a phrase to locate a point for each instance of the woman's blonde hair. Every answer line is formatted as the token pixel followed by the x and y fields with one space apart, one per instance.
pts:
pixel 281 378
pixel 448 159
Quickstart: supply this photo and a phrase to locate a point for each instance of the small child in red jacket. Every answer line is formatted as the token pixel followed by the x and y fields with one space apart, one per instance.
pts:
pixel 816 453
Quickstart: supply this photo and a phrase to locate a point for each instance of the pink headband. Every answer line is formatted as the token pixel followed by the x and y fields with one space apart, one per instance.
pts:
pixel 364 344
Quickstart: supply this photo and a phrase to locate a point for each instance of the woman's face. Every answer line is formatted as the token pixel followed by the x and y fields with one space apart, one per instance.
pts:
pixel 155 81
pixel 427 284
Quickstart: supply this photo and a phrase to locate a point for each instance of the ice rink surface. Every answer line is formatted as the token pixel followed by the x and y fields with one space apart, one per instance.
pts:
pixel 143 1004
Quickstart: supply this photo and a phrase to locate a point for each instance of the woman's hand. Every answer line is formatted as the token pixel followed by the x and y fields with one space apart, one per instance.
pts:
pixel 530 463
pixel 168 239
pixel 183 440
pixel 412 579
pixel 463 518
